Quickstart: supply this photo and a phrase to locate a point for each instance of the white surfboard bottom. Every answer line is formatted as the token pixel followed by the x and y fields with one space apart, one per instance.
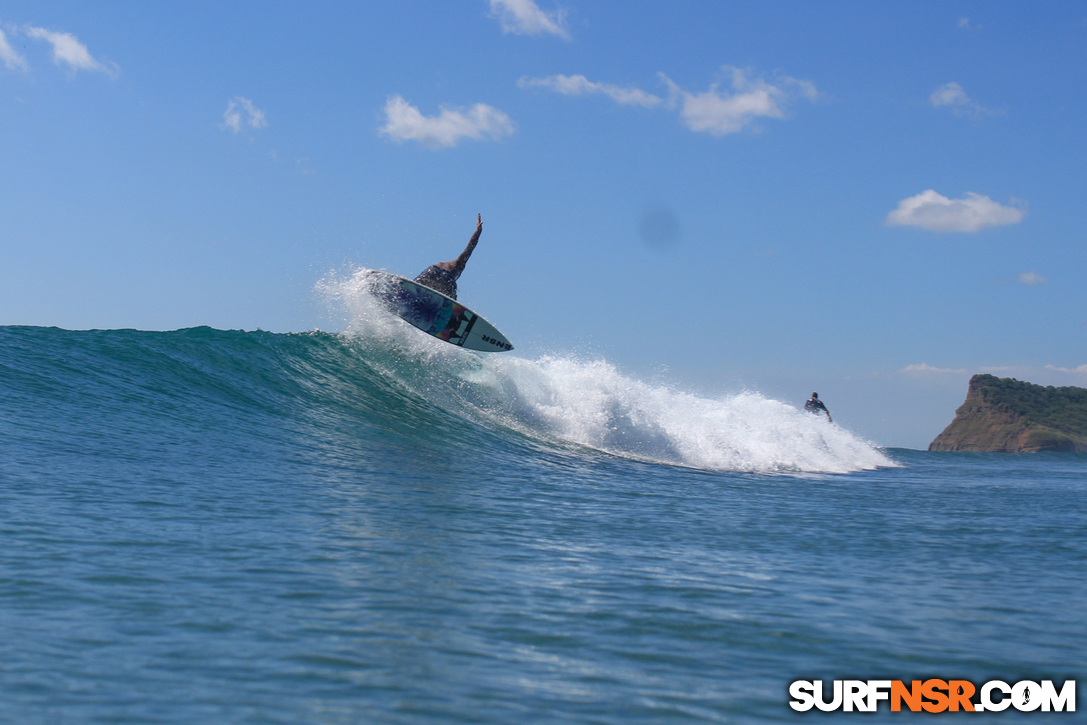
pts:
pixel 437 315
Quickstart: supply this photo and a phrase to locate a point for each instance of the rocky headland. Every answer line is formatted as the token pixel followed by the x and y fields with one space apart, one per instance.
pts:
pixel 1008 415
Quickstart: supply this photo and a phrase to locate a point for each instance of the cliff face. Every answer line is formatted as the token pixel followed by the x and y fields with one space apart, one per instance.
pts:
pixel 1006 415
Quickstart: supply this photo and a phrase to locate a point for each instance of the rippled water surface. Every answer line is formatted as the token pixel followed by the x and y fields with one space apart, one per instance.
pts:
pixel 228 527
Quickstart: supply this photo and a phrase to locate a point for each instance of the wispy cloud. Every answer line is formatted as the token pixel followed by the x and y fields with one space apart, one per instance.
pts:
pixel 926 368
pixel 1081 370
pixel 720 112
pixel 1048 375
pixel 1031 278
pixel 936 213
pixel 12 59
pixel 241 113
pixel 953 97
pixel 524 17
pixel 581 86
pixel 68 50
pixel 715 111
pixel 404 122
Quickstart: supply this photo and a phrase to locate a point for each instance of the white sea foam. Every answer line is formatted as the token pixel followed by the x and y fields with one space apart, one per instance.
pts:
pixel 592 403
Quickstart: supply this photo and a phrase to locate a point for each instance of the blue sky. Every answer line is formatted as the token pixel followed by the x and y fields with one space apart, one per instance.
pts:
pixel 871 200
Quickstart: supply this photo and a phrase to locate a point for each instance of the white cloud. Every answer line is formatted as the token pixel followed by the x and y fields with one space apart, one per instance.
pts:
pixel 12 60
pixel 714 111
pixel 1032 278
pixel 580 85
pixel 952 96
pixel 524 17
pixel 68 49
pixel 721 113
pixel 1081 370
pixel 232 117
pixel 404 122
pixel 926 368
pixel 929 210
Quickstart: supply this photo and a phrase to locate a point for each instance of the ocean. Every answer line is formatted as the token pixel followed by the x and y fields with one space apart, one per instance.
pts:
pixel 213 526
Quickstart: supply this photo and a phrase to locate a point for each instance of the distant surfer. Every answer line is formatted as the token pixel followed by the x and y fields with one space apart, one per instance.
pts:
pixel 814 405
pixel 442 277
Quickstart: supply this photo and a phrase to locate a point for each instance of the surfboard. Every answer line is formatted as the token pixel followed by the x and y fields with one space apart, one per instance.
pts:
pixel 437 315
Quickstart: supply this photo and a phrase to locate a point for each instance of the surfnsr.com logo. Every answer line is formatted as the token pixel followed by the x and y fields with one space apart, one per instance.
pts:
pixel 934 696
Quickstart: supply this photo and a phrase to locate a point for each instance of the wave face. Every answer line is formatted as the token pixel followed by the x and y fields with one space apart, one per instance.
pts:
pixel 567 401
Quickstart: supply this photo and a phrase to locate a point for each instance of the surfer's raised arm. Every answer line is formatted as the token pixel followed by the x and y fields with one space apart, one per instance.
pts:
pixel 442 277
pixel 459 262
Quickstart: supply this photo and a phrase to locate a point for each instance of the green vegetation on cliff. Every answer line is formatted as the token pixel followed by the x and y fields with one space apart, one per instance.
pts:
pixel 1004 414
pixel 1063 409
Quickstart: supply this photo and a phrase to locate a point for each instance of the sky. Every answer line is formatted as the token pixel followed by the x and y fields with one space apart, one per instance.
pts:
pixel 870 200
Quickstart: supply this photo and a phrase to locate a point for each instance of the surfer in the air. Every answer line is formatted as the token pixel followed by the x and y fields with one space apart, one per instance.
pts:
pixel 442 277
pixel 814 405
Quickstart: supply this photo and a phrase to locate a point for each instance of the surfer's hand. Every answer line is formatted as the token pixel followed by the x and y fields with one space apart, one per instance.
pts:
pixel 479 221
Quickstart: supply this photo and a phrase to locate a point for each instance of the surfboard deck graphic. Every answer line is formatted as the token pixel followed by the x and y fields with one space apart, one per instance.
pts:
pixel 437 315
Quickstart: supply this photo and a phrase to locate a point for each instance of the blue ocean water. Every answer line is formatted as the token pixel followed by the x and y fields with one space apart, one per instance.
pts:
pixel 207 526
